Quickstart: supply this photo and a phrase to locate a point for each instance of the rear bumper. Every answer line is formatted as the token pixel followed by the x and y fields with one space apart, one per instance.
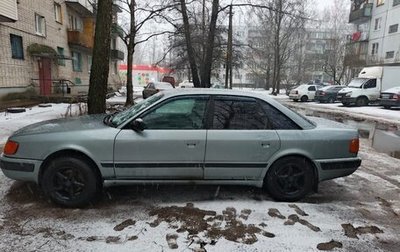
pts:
pixel 386 102
pixel 20 169
pixel 334 168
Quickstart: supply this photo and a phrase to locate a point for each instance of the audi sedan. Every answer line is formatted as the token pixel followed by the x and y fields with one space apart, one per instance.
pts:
pixel 190 136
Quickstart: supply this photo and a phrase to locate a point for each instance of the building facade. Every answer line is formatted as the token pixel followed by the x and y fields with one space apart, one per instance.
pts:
pixel 48 46
pixel 376 37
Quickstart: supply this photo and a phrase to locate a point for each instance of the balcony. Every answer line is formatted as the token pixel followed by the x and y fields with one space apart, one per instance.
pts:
pixel 83 7
pixel 117 54
pixel 80 40
pixel 361 15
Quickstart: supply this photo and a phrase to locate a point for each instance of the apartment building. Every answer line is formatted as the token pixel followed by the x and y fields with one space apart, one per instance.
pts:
pixel 48 45
pixel 376 37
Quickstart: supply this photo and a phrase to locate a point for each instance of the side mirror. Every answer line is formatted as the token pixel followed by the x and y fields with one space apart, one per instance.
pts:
pixel 138 125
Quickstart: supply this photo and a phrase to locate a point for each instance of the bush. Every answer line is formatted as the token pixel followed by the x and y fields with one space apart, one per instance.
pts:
pixel 28 94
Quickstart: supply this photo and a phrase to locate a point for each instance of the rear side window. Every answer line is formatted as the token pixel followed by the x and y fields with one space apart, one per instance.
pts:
pixel 238 113
pixel 279 121
pixel 312 88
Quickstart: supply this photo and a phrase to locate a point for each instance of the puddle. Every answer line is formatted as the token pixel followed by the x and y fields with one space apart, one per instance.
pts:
pixel 382 137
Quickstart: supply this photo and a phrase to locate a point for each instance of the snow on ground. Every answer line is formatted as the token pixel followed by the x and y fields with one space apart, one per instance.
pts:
pixel 150 218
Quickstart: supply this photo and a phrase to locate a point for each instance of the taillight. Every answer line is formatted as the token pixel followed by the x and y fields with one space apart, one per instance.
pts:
pixel 10 148
pixel 354 145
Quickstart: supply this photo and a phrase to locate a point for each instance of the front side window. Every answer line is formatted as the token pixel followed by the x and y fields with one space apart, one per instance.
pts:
pixel 370 84
pixel 76 62
pixel 181 113
pixel 237 113
pixel 17 50
pixel 40 25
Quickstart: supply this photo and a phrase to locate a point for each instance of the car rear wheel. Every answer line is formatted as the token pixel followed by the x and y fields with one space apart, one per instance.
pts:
pixel 289 179
pixel 331 100
pixel 304 98
pixel 387 107
pixel 70 181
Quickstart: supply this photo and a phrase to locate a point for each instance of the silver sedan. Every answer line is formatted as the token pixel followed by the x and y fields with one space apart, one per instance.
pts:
pixel 200 136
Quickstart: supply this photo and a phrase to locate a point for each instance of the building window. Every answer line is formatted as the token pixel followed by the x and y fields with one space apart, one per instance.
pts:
pixel 17 50
pixel 76 62
pixel 379 2
pixel 389 55
pixel 393 28
pixel 40 25
pixel 57 13
pixel 378 22
pixel 396 2
pixel 75 23
pixel 60 51
pixel 375 47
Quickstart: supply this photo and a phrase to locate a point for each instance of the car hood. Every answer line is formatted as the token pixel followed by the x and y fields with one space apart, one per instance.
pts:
pixel 88 122
pixel 347 89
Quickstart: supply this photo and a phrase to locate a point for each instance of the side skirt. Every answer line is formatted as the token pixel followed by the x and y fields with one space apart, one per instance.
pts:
pixel 255 183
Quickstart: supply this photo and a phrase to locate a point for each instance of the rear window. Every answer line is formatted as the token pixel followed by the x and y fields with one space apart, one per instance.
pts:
pixel 161 85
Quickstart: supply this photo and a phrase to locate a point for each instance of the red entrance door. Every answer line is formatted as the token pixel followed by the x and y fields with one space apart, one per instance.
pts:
pixel 45 76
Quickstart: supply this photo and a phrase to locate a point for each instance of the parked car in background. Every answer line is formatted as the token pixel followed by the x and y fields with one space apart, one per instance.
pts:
pixel 327 93
pixel 155 87
pixel 288 89
pixel 190 136
pixel 186 84
pixel 369 84
pixel 169 79
pixel 390 98
pixel 303 92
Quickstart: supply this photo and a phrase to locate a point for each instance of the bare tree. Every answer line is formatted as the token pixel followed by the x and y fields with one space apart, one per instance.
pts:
pixel 131 35
pixel 336 20
pixel 101 56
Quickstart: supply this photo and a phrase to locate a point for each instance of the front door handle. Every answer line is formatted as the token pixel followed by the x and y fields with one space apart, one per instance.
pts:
pixel 192 144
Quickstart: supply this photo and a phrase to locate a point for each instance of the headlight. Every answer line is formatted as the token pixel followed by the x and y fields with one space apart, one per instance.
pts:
pixel 348 94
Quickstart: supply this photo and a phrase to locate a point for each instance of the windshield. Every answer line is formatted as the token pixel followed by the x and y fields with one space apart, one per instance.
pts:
pixel 132 111
pixel 357 82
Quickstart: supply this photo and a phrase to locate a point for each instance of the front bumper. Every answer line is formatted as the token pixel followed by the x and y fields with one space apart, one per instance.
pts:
pixel 20 169
pixel 334 168
pixel 345 99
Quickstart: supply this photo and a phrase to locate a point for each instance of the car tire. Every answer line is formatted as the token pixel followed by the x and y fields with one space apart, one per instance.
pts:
pixel 70 182
pixel 331 100
pixel 346 104
pixel 295 100
pixel 361 101
pixel 289 179
pixel 387 107
pixel 304 98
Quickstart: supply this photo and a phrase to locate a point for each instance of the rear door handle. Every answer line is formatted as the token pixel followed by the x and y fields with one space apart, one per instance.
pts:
pixel 192 144
pixel 265 145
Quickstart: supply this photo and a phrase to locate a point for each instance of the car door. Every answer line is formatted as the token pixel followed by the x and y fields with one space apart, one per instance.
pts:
pixel 311 92
pixel 371 90
pixel 240 140
pixel 172 145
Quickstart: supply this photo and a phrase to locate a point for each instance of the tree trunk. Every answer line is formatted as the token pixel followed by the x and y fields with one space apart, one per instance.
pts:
pixel 101 58
pixel 190 50
pixel 206 75
pixel 131 51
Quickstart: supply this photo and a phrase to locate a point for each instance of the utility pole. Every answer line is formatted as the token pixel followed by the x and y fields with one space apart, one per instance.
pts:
pixel 228 64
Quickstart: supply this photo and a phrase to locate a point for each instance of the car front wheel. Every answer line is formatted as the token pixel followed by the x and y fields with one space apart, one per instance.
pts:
pixel 70 181
pixel 289 179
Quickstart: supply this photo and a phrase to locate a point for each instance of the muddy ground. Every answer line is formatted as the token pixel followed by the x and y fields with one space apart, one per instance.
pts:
pixel 356 213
